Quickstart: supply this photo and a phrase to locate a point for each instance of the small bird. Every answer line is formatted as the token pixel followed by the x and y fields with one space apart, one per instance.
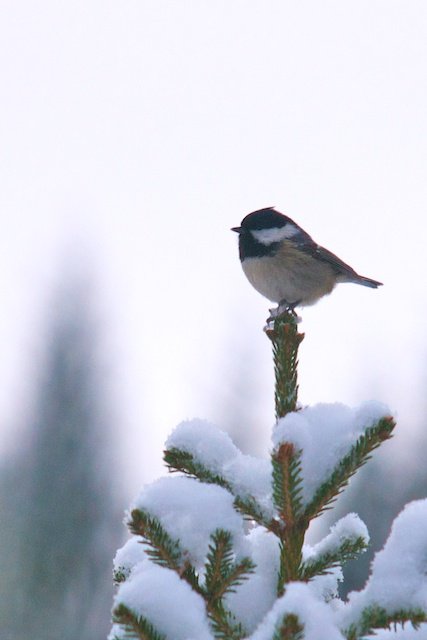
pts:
pixel 285 265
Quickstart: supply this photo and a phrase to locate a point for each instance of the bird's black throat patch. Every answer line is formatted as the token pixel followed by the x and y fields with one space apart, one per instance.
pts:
pixel 251 248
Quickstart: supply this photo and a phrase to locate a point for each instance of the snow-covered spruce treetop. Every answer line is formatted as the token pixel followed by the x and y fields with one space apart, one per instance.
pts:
pixel 218 550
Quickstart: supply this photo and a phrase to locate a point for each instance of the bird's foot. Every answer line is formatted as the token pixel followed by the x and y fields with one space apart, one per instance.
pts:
pixel 282 308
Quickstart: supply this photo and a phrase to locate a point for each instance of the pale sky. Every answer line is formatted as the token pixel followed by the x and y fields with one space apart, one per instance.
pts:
pixel 134 134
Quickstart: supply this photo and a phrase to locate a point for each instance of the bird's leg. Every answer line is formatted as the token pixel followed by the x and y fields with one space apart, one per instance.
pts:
pixel 274 313
pixel 283 307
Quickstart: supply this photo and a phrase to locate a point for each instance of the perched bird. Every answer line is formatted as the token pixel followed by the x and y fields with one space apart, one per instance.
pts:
pixel 285 265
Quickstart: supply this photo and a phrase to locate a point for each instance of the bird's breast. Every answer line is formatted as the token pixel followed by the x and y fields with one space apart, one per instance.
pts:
pixel 290 274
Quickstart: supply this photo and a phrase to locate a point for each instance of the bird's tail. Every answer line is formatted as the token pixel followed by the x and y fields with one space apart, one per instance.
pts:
pixel 368 282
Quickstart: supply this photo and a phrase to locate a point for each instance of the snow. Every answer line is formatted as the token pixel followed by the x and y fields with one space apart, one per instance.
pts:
pixel 256 595
pixel 325 433
pixel 406 633
pixel 399 571
pixel 211 446
pixel 329 428
pixel 128 556
pixel 325 587
pixel 190 511
pixel 316 616
pixel 117 633
pixel 248 476
pixel 167 602
pixel 350 527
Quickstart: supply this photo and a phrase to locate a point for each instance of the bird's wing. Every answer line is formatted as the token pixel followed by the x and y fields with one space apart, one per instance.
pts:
pixel 320 253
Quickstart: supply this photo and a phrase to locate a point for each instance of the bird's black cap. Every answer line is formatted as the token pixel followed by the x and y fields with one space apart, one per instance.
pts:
pixel 267 218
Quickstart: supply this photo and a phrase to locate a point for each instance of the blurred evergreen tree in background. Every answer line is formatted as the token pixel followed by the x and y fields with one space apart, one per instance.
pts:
pixel 59 515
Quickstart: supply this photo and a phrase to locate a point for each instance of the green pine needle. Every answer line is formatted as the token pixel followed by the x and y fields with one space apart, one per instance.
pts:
pixel 282 577
pixel 376 617
pixel 358 455
pixel 162 549
pixel 286 340
pixel 225 625
pixel 135 626
pixel 183 461
pixel 348 550
pixel 219 562
pixel 223 575
pixel 251 510
pixel 286 462
pixel 119 575
pixel 287 482
pixel 289 629
pixel 180 460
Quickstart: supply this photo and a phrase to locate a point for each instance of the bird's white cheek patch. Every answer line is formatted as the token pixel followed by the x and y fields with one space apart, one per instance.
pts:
pixel 277 234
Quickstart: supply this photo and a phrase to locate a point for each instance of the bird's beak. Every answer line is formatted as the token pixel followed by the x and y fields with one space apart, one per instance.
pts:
pixel 236 229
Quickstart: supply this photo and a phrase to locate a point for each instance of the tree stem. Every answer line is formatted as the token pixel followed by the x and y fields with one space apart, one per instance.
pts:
pixel 286 340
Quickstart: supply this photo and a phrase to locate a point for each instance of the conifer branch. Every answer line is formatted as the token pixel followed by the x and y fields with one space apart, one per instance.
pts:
pixel 119 575
pixel 290 628
pixel 135 626
pixel 358 455
pixel 180 460
pixel 162 548
pixel 224 624
pixel 183 461
pixel 286 340
pixel 290 548
pixel 222 573
pixel 348 550
pixel 284 572
pixel 287 481
pixel 219 561
pixel 238 574
pixel 287 500
pixel 376 617
pixel 251 510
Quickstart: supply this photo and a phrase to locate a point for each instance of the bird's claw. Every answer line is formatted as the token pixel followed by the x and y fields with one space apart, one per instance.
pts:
pixel 282 308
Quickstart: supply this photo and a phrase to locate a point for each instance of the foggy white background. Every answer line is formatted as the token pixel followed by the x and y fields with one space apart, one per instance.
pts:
pixel 133 135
